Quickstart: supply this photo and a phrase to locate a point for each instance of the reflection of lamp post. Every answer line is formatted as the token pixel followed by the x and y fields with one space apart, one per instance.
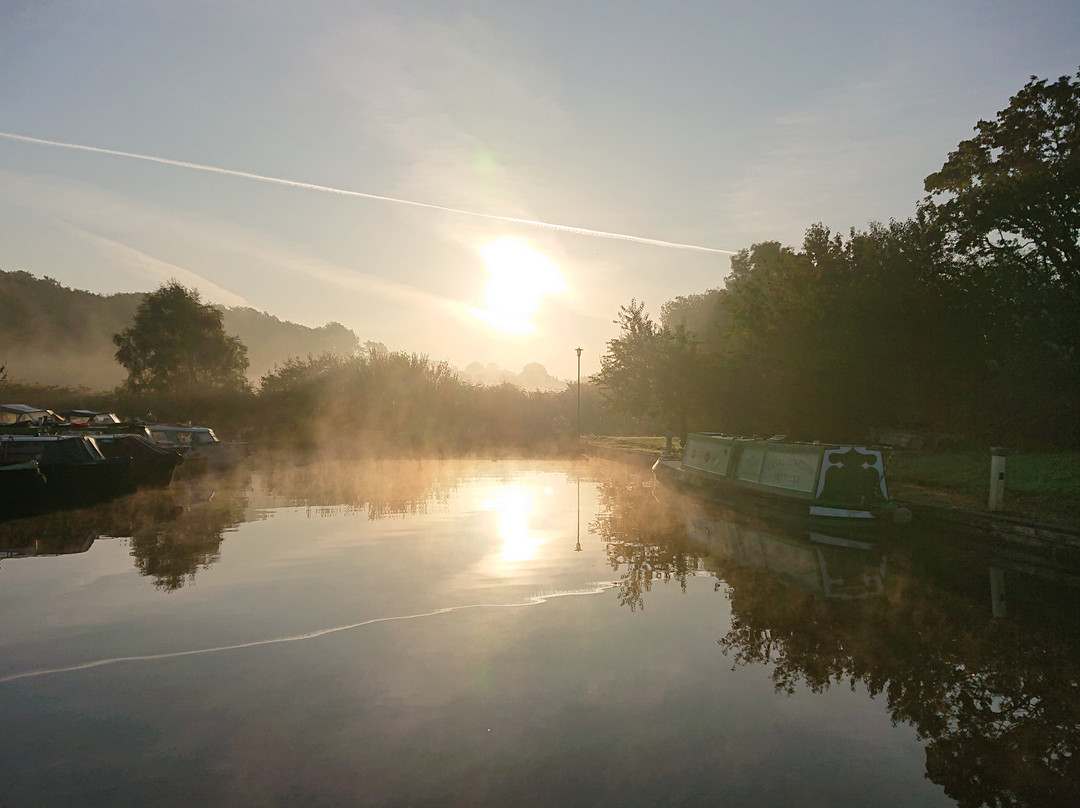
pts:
pixel 578 392
pixel 578 548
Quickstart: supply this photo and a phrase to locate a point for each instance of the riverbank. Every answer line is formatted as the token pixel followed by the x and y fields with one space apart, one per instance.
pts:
pixel 1042 490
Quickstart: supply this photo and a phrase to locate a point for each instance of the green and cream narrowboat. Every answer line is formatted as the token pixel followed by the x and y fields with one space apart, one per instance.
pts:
pixel 819 480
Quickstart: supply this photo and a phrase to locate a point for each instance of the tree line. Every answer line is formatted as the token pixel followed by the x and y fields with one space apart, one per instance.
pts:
pixel 182 365
pixel 963 320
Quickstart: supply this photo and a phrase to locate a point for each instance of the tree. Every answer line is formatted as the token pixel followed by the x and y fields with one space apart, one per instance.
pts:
pixel 1014 188
pixel 1009 202
pixel 178 343
pixel 651 371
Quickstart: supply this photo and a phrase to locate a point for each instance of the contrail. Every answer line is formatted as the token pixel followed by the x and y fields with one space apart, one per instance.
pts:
pixel 345 192
pixel 543 597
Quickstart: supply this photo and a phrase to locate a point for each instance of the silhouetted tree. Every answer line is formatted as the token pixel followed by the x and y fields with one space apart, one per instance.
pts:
pixel 1012 188
pixel 650 370
pixel 1007 202
pixel 178 343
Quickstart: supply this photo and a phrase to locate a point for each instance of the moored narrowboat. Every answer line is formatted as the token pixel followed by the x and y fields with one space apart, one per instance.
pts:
pixel 74 469
pixel 822 481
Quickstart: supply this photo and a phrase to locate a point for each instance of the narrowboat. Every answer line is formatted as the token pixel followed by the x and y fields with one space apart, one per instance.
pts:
pixel 152 466
pixel 75 471
pixel 827 482
pixel 197 443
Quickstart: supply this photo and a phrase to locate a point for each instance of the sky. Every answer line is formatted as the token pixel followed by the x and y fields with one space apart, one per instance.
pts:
pixel 479 181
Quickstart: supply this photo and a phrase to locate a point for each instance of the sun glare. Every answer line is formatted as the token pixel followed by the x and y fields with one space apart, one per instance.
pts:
pixel 513 507
pixel 518 281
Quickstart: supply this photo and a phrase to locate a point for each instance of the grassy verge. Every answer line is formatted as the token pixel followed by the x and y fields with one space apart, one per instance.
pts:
pixel 1056 474
pixel 650 443
pixel 1043 486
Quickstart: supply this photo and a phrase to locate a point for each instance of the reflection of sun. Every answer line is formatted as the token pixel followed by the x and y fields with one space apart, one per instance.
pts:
pixel 519 280
pixel 512 507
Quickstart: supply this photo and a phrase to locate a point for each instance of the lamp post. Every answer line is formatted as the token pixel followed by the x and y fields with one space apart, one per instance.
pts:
pixel 578 392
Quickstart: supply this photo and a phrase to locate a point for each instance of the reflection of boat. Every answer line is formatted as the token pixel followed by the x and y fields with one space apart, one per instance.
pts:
pixel 75 471
pixel 827 482
pixel 197 443
pixel 827 566
pixel 46 546
pixel 20 483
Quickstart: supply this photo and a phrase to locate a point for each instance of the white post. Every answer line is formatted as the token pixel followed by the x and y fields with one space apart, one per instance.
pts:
pixel 997 478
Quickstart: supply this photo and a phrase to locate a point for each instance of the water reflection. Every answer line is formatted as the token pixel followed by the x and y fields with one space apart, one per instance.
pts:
pixel 380 488
pixel 996 700
pixel 512 507
pixel 172 533
pixel 910 622
pixel 644 536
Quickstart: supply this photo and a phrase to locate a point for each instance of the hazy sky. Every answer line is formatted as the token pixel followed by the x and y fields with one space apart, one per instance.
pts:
pixel 709 124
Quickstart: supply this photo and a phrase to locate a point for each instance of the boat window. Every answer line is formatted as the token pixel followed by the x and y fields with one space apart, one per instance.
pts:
pixel 21 451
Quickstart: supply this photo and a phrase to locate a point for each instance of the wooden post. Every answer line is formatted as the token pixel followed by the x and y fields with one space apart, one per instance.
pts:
pixel 997 592
pixel 997 478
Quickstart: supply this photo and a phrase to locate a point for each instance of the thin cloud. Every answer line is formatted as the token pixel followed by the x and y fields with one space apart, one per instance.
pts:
pixel 159 270
pixel 377 197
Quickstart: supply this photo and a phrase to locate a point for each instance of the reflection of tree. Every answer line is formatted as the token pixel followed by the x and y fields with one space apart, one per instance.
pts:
pixel 644 536
pixel 173 532
pixel 173 549
pixel 997 702
pixel 384 488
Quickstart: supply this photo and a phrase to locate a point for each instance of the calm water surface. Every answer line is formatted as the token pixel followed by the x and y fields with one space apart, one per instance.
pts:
pixel 527 634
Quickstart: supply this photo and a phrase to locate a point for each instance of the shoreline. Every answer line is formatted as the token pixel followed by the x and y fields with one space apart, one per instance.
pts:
pixel 929 504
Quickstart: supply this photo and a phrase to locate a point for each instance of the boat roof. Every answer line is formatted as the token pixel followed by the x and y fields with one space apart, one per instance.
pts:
pixel 39 438
pixel 23 408
pixel 178 428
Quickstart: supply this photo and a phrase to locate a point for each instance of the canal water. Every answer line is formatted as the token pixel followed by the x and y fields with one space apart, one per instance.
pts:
pixel 529 633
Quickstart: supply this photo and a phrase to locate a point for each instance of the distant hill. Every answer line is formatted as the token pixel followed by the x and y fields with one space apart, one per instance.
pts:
pixel 58 336
pixel 532 377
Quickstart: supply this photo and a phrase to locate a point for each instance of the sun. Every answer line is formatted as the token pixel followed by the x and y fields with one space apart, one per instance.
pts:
pixel 519 279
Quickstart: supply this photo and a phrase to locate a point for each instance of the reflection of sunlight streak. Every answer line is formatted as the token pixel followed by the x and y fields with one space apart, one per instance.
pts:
pixel 543 597
pixel 562 228
pixel 512 508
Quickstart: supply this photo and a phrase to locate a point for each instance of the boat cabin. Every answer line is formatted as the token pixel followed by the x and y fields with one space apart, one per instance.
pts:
pixel 175 436
pixel 25 415
pixel 48 449
pixel 91 418
pixel 824 474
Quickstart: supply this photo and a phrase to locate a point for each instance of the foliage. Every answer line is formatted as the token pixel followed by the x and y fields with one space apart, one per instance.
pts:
pixel 1007 203
pixel 1012 189
pixel 400 403
pixel 962 321
pixel 650 369
pixel 177 342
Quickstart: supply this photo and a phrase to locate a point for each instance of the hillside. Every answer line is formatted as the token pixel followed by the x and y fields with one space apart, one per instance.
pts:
pixel 54 335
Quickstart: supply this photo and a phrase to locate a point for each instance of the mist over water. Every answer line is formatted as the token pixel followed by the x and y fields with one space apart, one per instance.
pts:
pixel 526 632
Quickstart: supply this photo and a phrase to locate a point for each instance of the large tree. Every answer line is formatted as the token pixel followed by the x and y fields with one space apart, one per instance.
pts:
pixel 1014 188
pixel 1009 199
pixel 178 343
